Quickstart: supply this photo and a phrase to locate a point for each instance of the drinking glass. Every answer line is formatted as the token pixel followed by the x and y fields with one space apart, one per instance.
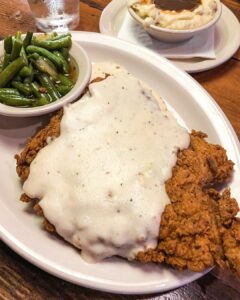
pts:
pixel 55 15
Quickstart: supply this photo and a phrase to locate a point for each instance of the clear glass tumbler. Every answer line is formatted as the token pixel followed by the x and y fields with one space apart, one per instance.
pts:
pixel 55 15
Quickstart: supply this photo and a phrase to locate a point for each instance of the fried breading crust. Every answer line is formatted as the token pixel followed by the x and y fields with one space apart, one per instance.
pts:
pixel 199 228
pixel 35 144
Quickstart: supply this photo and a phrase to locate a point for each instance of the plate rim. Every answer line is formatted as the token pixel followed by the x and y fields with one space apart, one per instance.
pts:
pixel 36 259
pixel 115 6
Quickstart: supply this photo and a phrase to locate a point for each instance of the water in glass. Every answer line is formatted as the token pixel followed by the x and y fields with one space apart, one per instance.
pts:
pixel 55 15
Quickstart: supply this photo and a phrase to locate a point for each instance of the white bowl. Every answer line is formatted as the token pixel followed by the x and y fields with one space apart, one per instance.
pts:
pixel 84 70
pixel 171 35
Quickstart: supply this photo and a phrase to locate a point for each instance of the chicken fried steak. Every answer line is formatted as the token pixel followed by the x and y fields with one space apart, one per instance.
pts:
pixel 199 228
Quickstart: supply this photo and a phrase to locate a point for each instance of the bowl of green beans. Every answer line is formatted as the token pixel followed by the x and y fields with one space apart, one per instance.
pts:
pixel 40 73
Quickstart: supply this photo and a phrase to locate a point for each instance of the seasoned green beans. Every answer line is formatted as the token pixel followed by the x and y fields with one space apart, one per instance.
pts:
pixel 35 89
pixel 64 89
pixel 22 88
pixel 28 39
pixel 49 86
pixel 6 60
pixel 9 91
pixel 65 65
pixel 64 42
pixel 15 100
pixel 65 80
pixel 44 52
pixel 8 44
pixel 65 53
pixel 11 70
pixel 26 71
pixel 43 97
pixel 35 70
pixel 45 67
pixel 17 46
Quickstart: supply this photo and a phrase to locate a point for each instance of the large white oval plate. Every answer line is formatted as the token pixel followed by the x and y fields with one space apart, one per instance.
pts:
pixel 21 229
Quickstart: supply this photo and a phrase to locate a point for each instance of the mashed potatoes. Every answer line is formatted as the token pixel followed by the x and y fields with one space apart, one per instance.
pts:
pixel 200 15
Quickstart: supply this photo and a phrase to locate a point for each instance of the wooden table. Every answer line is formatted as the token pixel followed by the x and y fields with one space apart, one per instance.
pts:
pixel 21 280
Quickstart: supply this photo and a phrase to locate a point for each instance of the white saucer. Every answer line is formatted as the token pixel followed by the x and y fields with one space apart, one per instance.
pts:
pixel 227 36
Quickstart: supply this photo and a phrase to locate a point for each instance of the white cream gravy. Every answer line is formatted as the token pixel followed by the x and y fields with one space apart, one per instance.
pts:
pixel 101 182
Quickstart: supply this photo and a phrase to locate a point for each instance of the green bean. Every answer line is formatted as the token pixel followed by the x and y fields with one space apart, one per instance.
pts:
pixel 58 37
pixel 46 36
pixel 24 55
pixel 17 46
pixel 65 53
pixel 26 71
pixel 63 89
pixel 65 80
pixel 53 35
pixel 64 42
pixel 65 86
pixel 40 102
pixel 28 39
pixel 15 100
pixel 48 97
pixel 8 44
pixel 33 55
pixel 35 89
pixel 28 79
pixel 23 88
pixel 6 60
pixel 11 70
pixel 47 83
pixel 43 66
pixel 34 75
pixel 65 65
pixel 9 91
pixel 50 63
pixel 53 58
pixel 18 35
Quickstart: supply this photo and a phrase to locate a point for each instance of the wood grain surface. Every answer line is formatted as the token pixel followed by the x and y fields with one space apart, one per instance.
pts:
pixel 21 280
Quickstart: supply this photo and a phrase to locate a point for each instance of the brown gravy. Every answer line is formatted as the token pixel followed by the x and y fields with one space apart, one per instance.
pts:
pixel 177 5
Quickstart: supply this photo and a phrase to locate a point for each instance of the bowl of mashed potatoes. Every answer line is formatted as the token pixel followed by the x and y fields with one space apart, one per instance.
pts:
pixel 175 20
